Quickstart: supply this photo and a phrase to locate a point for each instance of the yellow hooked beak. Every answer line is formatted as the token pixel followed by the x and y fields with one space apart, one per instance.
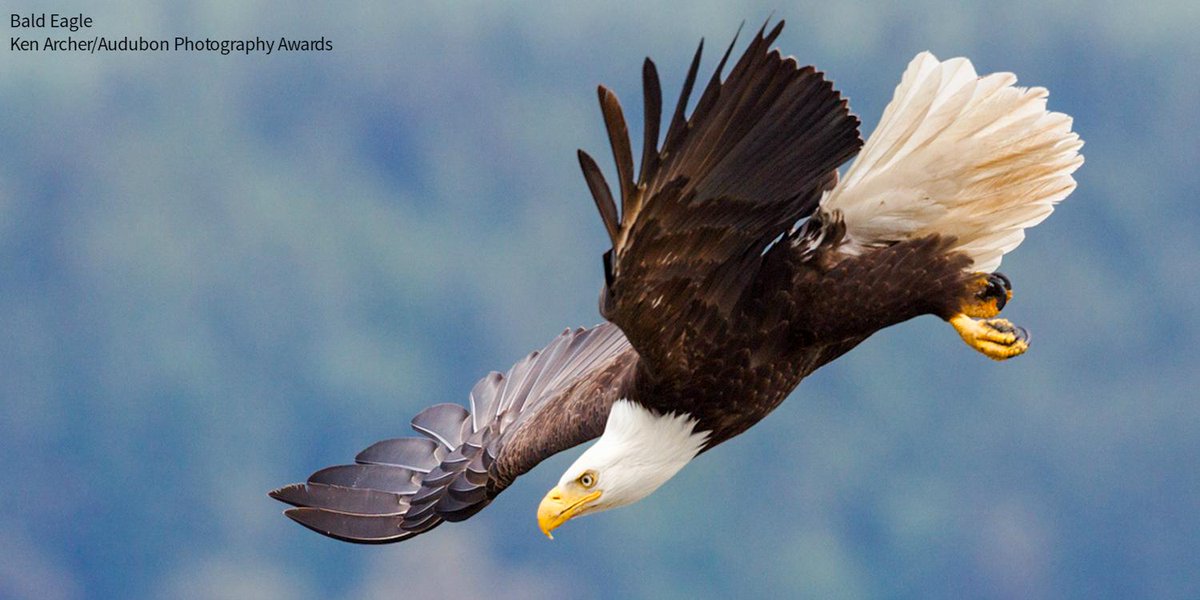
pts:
pixel 558 507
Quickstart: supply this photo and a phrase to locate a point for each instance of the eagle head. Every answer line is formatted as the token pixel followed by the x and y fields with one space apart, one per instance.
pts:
pixel 638 452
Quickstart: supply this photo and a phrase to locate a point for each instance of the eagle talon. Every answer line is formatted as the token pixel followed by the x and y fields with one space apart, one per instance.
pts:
pixel 993 291
pixel 998 287
pixel 1023 336
pixel 997 339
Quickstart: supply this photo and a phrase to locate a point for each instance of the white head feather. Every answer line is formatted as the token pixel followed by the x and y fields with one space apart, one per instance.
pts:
pixel 638 452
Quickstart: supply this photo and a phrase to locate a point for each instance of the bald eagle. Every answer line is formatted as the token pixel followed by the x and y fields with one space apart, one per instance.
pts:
pixel 739 265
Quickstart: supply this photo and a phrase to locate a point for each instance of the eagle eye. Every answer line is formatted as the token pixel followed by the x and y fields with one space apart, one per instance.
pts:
pixel 588 479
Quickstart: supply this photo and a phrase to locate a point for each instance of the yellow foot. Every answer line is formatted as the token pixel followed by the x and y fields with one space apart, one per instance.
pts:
pixel 997 339
pixel 988 295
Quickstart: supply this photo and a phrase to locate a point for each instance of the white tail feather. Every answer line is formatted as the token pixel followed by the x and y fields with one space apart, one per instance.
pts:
pixel 955 154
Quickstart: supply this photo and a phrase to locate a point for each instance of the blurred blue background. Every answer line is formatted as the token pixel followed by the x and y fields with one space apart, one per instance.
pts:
pixel 219 273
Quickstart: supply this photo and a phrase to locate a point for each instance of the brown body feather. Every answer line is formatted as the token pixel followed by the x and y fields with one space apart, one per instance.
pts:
pixel 804 307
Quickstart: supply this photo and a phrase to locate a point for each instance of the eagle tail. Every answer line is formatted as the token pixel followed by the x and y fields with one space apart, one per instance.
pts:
pixel 958 155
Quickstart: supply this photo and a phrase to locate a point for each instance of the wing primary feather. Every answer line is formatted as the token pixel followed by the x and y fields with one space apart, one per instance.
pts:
pixel 652 98
pixel 678 121
pixel 618 138
pixel 711 91
pixel 343 499
pixel 378 477
pixel 413 453
pixel 601 193
pixel 359 529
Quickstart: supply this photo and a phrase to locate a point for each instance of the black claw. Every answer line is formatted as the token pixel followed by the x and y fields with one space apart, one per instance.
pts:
pixel 998 287
pixel 1001 299
pixel 1023 335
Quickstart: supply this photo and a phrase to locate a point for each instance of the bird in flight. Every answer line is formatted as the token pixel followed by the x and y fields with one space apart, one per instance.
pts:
pixel 740 264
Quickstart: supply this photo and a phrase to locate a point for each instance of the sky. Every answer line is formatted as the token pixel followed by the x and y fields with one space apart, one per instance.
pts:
pixel 220 273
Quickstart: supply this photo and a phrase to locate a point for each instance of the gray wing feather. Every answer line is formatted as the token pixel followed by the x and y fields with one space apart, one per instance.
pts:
pixel 376 477
pixel 359 501
pixel 443 423
pixel 415 454
pixel 405 486
pixel 362 529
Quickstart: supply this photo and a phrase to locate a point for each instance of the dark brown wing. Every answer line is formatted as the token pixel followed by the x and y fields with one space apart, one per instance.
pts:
pixel 553 399
pixel 750 161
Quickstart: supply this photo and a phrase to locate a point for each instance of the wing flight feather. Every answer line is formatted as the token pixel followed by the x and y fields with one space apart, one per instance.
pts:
pixel 749 162
pixel 552 399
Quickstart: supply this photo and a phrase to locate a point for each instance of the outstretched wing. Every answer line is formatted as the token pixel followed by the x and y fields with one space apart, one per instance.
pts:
pixel 553 399
pixel 750 161
pixel 972 158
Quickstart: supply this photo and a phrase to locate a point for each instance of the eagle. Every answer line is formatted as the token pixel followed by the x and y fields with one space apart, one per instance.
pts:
pixel 740 263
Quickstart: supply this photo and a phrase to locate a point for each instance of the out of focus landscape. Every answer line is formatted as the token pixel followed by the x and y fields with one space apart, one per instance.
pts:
pixel 220 273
